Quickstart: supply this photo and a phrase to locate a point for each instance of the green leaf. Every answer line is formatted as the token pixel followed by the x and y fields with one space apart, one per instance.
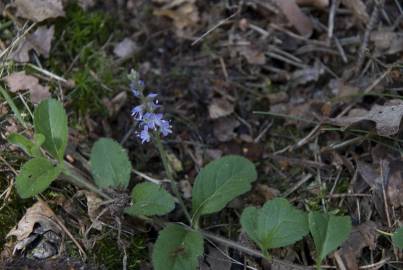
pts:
pixel 328 232
pixel 150 199
pixel 220 182
pixel 177 249
pixel 30 147
pixel 35 176
pixel 397 238
pixel 110 165
pixel 51 121
pixel 276 224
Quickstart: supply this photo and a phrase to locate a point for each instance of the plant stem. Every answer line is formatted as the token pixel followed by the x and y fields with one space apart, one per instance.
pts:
pixel 77 179
pixel 168 170
pixel 249 251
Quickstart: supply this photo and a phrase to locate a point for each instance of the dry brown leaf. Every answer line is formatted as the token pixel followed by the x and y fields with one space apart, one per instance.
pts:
pixel 220 107
pixel 184 14
pixel 395 183
pixel 20 81
pixel 39 10
pixel 223 128
pixel 387 119
pixel 341 88
pixel 387 42
pixel 363 235
pixel 296 17
pixel 253 55
pixel 38 213
pixel 358 8
pixel 93 205
pixel 40 41
pixel 125 48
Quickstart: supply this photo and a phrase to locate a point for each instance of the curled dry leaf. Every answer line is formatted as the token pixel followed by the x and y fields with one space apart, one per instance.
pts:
pixel 40 41
pixel 220 107
pixel 363 235
pixel 387 119
pixel 93 205
pixel 40 214
pixel 39 10
pixel 20 81
pixel 296 17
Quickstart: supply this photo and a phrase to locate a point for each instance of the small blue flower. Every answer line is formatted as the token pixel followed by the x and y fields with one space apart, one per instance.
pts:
pixel 152 95
pixel 145 135
pixel 165 128
pixel 152 120
pixel 138 112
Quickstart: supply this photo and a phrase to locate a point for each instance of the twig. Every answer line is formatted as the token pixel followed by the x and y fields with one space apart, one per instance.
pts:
pixel 332 14
pixel 215 27
pixel 371 24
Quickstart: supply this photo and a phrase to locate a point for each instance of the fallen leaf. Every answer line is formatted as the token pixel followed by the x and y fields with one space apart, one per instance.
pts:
pixel 20 81
pixel 94 204
pixel 125 48
pixel 39 10
pixel 223 128
pixel 40 41
pixel 296 17
pixel 184 14
pixel 220 107
pixel 40 214
pixel 394 188
pixel 361 236
pixel 341 88
pixel 358 8
pixel 253 55
pixel 387 119
pixel 387 42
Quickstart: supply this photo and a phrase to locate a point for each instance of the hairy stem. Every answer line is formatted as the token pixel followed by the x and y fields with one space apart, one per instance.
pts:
pixel 168 170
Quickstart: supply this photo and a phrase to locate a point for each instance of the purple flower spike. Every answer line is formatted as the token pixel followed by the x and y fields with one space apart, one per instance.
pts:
pixel 146 113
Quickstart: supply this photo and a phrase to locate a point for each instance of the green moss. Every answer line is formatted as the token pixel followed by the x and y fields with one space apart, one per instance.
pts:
pixel 78 54
pixel 12 212
pixel 107 252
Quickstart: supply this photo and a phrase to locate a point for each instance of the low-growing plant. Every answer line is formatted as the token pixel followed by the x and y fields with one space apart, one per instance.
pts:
pixel 276 224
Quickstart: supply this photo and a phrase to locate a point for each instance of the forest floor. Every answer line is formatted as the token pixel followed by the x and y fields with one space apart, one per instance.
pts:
pixel 310 91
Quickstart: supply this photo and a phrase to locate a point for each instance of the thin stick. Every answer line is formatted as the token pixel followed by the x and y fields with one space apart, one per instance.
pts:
pixel 215 27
